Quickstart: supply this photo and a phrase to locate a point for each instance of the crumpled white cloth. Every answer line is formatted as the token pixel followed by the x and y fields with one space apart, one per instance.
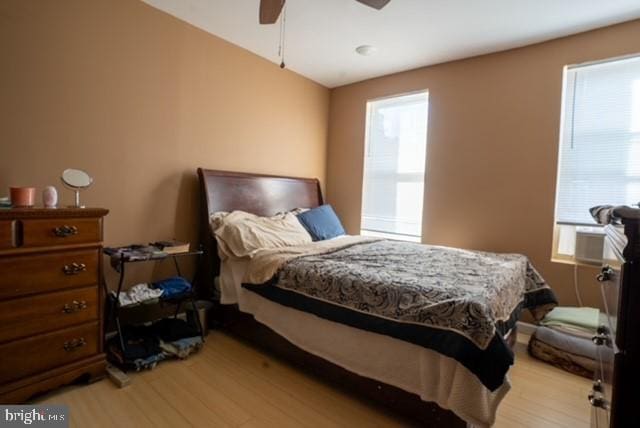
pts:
pixel 139 293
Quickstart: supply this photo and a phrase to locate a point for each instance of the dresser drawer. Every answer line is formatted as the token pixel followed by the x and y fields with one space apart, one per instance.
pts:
pixel 7 237
pixel 600 394
pixel 27 316
pixel 44 232
pixel 599 418
pixel 35 354
pixel 31 274
pixel 609 279
pixel 603 375
pixel 609 318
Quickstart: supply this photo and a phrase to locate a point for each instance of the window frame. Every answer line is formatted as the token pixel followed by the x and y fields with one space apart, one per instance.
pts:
pixel 368 112
pixel 557 225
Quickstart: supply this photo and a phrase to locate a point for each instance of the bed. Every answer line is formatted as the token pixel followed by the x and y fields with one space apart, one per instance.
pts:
pixel 401 376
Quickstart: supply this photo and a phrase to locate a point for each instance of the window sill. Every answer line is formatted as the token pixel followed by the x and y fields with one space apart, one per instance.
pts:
pixel 395 237
pixel 574 262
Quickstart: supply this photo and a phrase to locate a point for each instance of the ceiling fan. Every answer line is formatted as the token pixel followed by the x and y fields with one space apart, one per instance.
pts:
pixel 270 9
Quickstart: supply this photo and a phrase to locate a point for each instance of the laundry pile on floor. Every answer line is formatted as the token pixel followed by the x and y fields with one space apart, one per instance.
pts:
pixel 564 339
pixel 167 289
pixel 144 346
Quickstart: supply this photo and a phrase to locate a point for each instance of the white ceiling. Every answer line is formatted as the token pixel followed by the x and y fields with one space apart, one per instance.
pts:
pixel 321 35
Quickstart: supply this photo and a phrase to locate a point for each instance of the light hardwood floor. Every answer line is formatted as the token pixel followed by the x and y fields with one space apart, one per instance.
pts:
pixel 230 384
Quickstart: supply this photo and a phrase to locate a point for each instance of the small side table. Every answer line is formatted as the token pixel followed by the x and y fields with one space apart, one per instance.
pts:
pixel 139 257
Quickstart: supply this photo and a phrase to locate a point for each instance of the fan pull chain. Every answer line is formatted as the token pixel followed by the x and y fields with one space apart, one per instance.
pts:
pixel 283 24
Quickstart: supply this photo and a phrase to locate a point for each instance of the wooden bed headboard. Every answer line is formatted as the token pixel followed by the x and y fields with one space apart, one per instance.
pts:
pixel 254 193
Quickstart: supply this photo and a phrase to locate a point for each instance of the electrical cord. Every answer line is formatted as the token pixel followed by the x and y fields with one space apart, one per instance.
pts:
pixel 575 284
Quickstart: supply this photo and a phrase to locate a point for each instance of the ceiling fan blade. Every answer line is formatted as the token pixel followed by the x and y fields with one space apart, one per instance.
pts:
pixel 376 4
pixel 270 10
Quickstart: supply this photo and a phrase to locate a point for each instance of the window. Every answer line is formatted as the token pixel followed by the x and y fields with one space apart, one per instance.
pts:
pixel 394 166
pixel 599 159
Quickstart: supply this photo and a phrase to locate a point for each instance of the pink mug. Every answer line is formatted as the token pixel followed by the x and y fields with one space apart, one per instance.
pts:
pixel 23 196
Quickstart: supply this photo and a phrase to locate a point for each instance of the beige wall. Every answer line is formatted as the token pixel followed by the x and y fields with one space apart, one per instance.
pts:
pixel 140 99
pixel 492 147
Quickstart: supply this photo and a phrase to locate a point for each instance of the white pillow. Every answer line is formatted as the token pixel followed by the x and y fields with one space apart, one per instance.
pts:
pixel 243 234
pixel 216 219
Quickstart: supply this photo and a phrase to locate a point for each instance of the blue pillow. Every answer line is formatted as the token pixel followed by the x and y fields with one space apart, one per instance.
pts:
pixel 321 223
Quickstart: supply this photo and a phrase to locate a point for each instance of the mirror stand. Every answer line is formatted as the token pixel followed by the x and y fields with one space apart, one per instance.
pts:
pixel 76 199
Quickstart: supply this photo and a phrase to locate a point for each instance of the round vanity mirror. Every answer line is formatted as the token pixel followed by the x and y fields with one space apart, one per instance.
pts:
pixel 76 179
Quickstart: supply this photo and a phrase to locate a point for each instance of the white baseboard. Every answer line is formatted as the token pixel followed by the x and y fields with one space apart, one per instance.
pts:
pixel 526 328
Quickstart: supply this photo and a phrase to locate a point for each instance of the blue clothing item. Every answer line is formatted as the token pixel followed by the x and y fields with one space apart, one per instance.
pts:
pixel 173 287
pixel 321 223
pixel 147 363
pixel 182 348
pixel 187 342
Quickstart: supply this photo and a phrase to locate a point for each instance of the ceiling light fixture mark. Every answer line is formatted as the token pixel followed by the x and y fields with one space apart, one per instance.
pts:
pixel 366 50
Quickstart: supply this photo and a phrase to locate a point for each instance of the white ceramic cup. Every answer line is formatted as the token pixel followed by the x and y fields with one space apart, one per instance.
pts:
pixel 50 197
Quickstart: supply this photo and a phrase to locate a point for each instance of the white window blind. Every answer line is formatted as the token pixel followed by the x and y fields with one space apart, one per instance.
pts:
pixel 394 165
pixel 600 140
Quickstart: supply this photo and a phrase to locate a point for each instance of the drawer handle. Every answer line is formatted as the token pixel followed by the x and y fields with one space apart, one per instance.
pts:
pixel 64 231
pixel 73 344
pixel 601 339
pixel 597 386
pixel 74 306
pixel 598 402
pixel 605 274
pixel 74 268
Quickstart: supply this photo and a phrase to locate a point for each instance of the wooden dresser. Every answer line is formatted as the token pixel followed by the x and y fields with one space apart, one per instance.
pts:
pixel 615 397
pixel 50 299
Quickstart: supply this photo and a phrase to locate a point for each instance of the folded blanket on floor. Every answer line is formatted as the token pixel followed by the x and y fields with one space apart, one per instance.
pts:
pixel 574 354
pixel 585 319
pixel 575 345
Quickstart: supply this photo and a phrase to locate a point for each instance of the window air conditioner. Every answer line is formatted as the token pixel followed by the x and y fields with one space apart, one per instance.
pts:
pixel 589 244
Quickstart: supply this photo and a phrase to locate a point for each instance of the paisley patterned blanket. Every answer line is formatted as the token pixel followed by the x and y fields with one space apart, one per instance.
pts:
pixel 457 302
